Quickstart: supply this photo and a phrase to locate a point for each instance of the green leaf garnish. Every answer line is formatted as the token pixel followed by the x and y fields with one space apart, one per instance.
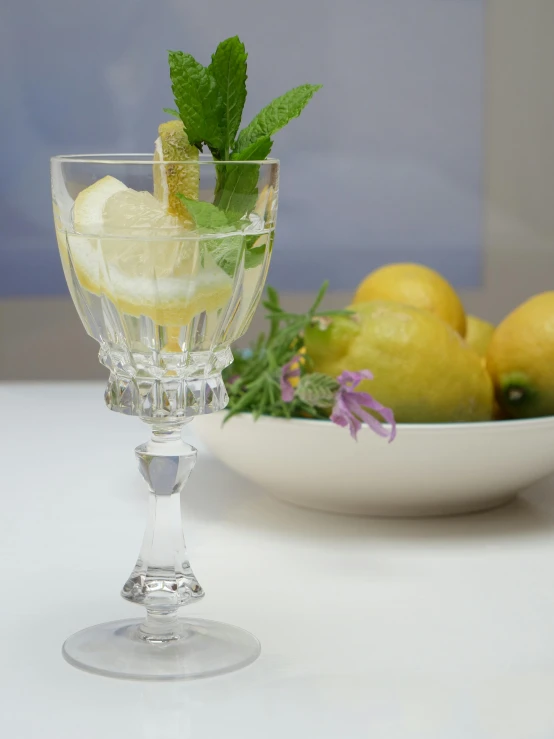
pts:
pixel 238 184
pixel 205 215
pixel 254 255
pixel 228 69
pixel 276 115
pixel 256 151
pixel 227 250
pixel 210 101
pixel 198 101
pixel 171 111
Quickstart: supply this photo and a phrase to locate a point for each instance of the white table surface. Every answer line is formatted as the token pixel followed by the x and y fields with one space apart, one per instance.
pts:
pixel 394 629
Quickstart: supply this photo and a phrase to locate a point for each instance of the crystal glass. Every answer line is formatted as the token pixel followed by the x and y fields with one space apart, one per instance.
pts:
pixel 164 288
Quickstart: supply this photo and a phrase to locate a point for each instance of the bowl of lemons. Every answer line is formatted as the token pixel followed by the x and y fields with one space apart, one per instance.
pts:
pixel 466 408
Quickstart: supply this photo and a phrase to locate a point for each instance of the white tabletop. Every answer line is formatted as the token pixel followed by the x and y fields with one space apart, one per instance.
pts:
pixel 384 629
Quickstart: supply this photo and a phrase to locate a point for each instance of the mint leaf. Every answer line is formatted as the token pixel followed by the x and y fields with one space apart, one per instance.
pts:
pixel 276 115
pixel 254 256
pixel 226 252
pixel 198 101
pixel 228 69
pixel 205 215
pixel 238 184
pixel 258 149
pixel 171 111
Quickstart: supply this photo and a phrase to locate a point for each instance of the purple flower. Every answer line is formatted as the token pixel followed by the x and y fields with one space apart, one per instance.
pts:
pixel 289 372
pixel 350 408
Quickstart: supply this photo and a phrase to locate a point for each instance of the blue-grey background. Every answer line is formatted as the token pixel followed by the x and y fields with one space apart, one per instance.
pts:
pixel 384 164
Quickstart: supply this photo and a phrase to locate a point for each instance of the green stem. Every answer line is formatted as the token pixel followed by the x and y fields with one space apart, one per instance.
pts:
pixel 220 182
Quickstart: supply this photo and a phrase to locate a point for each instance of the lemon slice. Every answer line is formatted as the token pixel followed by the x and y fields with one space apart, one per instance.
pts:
pixel 78 248
pixel 128 248
pixel 172 145
pixel 89 204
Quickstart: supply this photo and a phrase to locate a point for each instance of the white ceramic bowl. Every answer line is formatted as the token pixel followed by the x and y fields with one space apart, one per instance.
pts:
pixel 429 470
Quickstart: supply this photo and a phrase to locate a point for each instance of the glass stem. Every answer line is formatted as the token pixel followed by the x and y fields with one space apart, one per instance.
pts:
pixel 162 579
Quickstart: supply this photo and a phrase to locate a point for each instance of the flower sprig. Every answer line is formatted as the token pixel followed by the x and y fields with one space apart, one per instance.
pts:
pixel 254 379
pixel 275 377
pixel 349 406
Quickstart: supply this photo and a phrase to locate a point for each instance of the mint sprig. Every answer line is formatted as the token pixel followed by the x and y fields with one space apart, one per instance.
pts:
pixel 210 101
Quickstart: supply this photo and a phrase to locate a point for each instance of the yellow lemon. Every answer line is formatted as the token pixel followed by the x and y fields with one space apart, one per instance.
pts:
pixel 479 334
pixel 520 359
pixel 416 285
pixel 422 368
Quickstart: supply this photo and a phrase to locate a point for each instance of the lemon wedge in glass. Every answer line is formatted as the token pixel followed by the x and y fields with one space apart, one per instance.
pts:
pixel 172 145
pixel 128 248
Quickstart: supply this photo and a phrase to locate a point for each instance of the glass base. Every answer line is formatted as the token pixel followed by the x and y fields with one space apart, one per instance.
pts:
pixel 199 649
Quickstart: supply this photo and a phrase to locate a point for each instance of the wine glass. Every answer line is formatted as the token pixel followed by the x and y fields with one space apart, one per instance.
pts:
pixel 164 283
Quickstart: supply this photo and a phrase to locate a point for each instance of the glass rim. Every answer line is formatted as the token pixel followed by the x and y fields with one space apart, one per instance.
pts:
pixel 147 158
